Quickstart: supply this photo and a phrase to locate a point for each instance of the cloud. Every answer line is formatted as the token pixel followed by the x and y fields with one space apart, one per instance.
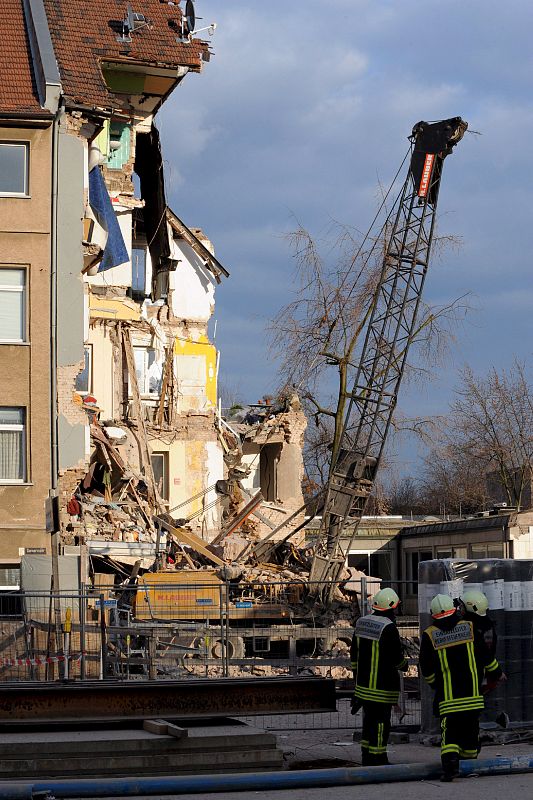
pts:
pixel 305 107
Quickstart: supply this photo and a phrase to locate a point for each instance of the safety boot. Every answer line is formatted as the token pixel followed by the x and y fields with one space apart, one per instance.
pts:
pixel 450 767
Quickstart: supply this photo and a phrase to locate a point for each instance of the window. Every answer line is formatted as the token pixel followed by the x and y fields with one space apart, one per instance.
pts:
pixel 138 273
pixel 12 445
pixel 14 169
pixel 494 550
pixel 84 378
pixel 412 560
pixel 149 371
pixel 160 468
pixel 12 305
pixel 9 577
pixel 380 565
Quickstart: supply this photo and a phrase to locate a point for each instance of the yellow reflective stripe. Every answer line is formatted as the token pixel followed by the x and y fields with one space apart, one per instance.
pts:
pixel 461 704
pixel 492 666
pixel 380 734
pixel 468 753
pixel 377 750
pixel 446 677
pixel 376 695
pixel 354 664
pixel 450 748
pixel 374 666
pixel 430 678
pixel 473 668
pixel 443 725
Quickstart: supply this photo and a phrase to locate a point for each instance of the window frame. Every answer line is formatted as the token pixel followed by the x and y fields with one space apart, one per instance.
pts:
pixel 26 145
pixel 12 428
pixel 135 293
pixel 87 350
pixel 23 290
pixel 145 395
pixel 163 454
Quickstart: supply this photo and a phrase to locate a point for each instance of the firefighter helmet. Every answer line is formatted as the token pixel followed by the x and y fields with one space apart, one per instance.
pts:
pixel 385 599
pixel 442 605
pixel 475 602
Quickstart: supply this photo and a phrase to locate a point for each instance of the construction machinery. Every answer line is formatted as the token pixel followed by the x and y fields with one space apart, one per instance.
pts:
pixel 376 379
pixel 389 335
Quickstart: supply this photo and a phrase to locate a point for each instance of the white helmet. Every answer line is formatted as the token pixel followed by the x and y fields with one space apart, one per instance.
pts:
pixel 385 599
pixel 442 605
pixel 476 602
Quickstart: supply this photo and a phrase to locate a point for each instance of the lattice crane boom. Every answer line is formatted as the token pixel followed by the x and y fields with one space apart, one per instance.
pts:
pixel 388 336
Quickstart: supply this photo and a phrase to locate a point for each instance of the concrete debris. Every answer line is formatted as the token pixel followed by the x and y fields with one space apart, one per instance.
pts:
pixel 117 501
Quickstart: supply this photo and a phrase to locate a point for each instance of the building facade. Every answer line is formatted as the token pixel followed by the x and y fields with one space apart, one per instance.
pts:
pixel 29 102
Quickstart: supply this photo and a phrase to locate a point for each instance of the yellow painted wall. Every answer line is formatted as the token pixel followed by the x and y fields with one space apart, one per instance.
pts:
pixel 187 472
pixel 107 308
pixel 202 347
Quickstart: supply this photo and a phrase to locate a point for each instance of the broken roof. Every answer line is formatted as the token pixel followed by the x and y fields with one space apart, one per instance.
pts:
pixel 18 90
pixel 210 262
pixel 85 37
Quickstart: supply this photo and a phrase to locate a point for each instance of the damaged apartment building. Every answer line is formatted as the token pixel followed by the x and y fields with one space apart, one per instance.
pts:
pixel 115 413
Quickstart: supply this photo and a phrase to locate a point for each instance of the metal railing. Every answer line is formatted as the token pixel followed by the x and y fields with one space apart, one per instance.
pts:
pixel 171 629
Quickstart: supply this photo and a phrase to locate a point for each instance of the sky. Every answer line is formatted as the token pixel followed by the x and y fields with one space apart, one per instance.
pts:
pixel 305 108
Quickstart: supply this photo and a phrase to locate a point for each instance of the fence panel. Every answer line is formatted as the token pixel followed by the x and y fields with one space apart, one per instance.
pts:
pixel 204 629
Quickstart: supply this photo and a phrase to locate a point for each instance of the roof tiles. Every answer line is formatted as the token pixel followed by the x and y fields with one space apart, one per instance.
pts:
pixel 84 33
pixel 18 93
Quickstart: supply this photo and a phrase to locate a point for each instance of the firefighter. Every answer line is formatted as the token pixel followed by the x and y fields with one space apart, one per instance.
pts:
pixel 473 605
pixel 454 659
pixel 377 655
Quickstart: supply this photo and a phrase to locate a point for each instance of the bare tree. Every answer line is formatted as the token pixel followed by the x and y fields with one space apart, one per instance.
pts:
pixel 452 482
pixel 404 496
pixel 490 428
pixel 318 334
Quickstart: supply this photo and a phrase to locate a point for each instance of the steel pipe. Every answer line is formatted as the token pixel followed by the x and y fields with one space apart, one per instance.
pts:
pixel 205 784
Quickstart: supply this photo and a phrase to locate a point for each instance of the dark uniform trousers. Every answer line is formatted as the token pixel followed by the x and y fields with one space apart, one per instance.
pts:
pixel 375 735
pixel 454 657
pixel 377 655
pixel 460 735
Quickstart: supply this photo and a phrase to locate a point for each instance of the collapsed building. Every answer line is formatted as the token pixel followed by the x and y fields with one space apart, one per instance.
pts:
pixel 133 432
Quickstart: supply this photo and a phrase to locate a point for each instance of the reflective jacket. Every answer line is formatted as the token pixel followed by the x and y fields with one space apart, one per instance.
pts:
pixel 454 659
pixel 486 628
pixel 377 655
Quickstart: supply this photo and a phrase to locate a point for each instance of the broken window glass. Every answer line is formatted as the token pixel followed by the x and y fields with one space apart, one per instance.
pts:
pixel 149 371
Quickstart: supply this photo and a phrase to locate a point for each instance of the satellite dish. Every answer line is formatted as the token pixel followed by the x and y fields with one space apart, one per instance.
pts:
pixel 190 18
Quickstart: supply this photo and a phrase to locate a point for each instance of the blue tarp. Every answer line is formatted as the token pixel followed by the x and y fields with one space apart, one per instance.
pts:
pixel 115 251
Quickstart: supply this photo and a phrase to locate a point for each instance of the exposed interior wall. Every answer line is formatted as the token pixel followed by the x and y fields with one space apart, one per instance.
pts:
pixel 193 291
pixel 196 371
pixel 103 369
pixel 121 274
pixel 193 465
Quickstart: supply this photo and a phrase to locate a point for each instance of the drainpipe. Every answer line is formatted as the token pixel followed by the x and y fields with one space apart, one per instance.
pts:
pixel 260 781
pixel 54 461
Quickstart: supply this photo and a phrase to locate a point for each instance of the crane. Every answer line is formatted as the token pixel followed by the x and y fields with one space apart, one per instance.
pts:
pixel 389 333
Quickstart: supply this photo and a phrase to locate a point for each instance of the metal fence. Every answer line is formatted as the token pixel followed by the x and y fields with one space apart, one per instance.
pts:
pixel 214 629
